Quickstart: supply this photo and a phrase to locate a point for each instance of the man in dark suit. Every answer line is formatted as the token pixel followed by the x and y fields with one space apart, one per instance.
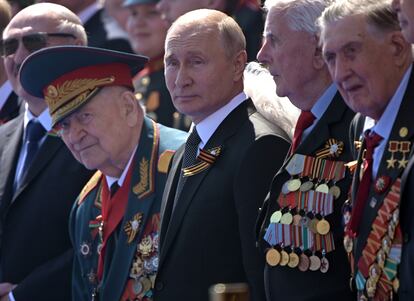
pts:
pixel 37 188
pixel 355 37
pixel 307 261
pixel 217 181
pixel 114 231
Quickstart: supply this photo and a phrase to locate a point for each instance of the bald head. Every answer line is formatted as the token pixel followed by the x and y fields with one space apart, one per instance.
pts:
pixel 212 21
pixel 54 24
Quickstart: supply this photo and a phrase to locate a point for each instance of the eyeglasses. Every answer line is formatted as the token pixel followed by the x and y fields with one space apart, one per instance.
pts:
pixel 31 42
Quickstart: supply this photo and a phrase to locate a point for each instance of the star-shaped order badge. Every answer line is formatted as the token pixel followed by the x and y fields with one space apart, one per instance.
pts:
pixel 206 158
pixel 132 227
pixel 332 149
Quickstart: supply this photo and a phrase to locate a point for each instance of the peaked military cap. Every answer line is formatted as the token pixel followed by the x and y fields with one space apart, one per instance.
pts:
pixel 67 77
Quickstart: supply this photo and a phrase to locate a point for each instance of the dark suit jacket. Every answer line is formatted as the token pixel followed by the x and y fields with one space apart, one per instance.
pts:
pixel 35 250
pixel 10 109
pixel 209 237
pixel 403 119
pixel 283 282
pixel 98 37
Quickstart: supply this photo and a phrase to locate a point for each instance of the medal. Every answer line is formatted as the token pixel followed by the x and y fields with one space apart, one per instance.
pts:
pixel 312 225
pixel 315 263
pixel 324 265
pixel 276 216
pixel 335 191
pixel 284 260
pixel 306 186
pixel 287 218
pixel 293 185
pixel 322 188
pixel 272 257
pixel 137 287
pixel 293 260
pixel 296 219
pixel 348 244
pixel 381 184
pixel 323 227
pixel 303 263
pixel 285 189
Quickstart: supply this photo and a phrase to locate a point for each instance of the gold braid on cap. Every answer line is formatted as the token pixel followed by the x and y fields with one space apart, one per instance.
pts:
pixel 66 97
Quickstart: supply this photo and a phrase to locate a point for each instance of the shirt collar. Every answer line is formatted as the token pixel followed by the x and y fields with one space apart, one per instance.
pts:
pixel 88 12
pixel 44 118
pixel 121 179
pixel 5 91
pixel 384 125
pixel 324 101
pixel 209 125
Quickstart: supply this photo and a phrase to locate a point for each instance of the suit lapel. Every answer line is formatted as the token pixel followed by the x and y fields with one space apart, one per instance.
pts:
pixel 141 201
pixel 226 129
pixel 45 154
pixel 11 150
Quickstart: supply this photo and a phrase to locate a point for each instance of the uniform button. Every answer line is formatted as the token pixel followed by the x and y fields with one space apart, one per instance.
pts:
pixel 159 285
pixel 406 238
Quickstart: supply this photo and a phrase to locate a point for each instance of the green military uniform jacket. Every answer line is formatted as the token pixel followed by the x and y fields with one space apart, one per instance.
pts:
pixel 131 260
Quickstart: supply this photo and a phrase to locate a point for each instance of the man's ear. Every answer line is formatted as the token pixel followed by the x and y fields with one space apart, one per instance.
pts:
pixel 318 62
pixel 240 60
pixel 401 50
pixel 130 108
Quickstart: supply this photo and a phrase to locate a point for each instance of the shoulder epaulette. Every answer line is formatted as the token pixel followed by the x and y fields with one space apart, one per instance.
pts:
pixel 89 186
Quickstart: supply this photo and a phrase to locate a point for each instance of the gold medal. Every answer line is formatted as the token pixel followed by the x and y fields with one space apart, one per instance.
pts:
pixel 396 284
pixel 322 188
pixel 272 257
pixel 323 227
pixel 348 244
pixel 293 260
pixel 287 218
pixel 146 283
pixel 335 191
pixel 371 287
pixel 284 260
pixel 303 263
pixel 315 263
pixel 276 216
pixel 306 186
pixel 294 184
pixel 324 265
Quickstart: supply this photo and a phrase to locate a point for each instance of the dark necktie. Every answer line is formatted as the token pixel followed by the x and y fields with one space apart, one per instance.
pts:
pixel 34 133
pixel 305 120
pixel 189 158
pixel 371 141
pixel 114 188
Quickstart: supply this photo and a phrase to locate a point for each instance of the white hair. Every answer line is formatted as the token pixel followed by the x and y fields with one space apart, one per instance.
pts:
pixel 301 14
pixel 261 88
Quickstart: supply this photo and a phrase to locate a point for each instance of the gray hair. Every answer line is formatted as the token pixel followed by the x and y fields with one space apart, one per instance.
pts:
pixel 301 14
pixel 379 14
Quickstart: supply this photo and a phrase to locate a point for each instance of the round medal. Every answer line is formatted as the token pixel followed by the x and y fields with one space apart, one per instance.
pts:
pixel 396 284
pixel 324 265
pixel 303 263
pixel 335 191
pixel 284 258
pixel 293 260
pixel 315 263
pixel 323 227
pixel 294 184
pixel 85 249
pixel 322 188
pixel 272 257
pixel 306 186
pixel 312 225
pixel 348 244
pixel 146 283
pixel 285 189
pixel 296 219
pixel 275 218
pixel 287 218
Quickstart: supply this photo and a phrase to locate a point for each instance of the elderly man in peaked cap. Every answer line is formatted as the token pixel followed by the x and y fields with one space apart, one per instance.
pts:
pixel 115 220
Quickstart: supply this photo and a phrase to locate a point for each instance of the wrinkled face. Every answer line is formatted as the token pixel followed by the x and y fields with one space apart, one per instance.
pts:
pixel 146 30
pixel 199 75
pixel 172 9
pixel 99 134
pixel 405 11
pixel 361 63
pixel 289 56
pixel 23 25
